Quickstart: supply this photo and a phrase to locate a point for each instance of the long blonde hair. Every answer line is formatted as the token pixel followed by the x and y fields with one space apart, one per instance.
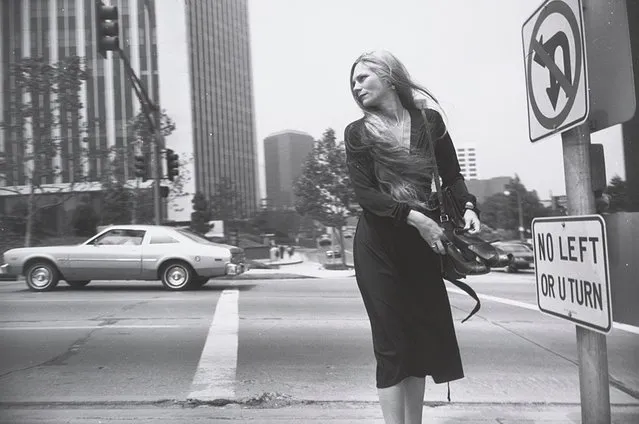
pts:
pixel 404 176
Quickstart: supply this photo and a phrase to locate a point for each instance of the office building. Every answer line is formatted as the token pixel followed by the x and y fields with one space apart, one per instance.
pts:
pixel 195 63
pixel 284 155
pixel 221 96
pixel 467 156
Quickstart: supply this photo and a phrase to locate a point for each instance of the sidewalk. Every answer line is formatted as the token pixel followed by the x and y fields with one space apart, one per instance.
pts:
pixel 296 266
pixel 329 413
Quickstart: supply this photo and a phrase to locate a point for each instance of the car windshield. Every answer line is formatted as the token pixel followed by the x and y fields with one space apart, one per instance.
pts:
pixel 194 236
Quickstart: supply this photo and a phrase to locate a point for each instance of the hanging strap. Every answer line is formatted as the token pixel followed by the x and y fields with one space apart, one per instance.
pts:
pixel 443 216
pixel 470 292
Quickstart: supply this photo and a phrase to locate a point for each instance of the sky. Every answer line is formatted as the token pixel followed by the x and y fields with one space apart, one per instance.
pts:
pixel 469 53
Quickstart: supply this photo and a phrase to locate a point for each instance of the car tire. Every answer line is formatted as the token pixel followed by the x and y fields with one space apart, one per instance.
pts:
pixel 176 276
pixel 511 268
pixel 42 276
pixel 78 284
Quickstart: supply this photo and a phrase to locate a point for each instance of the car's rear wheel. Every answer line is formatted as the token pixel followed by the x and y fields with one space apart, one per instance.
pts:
pixel 42 276
pixel 176 275
pixel 78 284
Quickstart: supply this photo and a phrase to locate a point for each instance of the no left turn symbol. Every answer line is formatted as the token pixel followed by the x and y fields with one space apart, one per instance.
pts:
pixel 555 67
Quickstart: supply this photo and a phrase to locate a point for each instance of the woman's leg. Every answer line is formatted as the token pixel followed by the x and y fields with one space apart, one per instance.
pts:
pixel 392 400
pixel 413 399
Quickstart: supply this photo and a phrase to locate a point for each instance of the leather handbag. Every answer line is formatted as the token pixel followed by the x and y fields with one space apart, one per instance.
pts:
pixel 466 254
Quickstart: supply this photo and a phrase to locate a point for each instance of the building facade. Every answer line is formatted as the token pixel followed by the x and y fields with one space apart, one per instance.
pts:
pixel 284 155
pixel 467 156
pixel 195 63
pixel 222 97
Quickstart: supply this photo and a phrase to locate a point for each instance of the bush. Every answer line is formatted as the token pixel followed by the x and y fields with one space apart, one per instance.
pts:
pixel 85 220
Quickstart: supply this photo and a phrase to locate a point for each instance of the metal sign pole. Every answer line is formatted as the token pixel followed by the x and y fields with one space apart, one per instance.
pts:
pixel 594 386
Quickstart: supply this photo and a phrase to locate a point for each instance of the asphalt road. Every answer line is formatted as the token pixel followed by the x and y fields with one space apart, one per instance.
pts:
pixel 275 342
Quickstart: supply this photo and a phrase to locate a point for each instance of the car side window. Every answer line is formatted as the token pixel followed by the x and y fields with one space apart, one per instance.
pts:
pixel 162 239
pixel 120 237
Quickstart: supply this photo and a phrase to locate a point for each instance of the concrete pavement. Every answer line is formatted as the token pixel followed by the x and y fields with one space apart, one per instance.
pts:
pixel 276 408
pixel 328 413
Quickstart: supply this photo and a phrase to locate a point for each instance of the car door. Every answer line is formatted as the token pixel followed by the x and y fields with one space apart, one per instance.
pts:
pixel 115 255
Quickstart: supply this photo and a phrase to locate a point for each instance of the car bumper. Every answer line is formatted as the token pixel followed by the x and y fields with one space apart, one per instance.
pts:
pixel 235 269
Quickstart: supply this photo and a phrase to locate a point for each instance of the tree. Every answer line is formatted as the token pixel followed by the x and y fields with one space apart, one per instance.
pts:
pixel 226 201
pixel 85 219
pixel 617 190
pixel 142 144
pixel 43 124
pixel 323 191
pixel 201 214
pixel 116 204
pixel 502 211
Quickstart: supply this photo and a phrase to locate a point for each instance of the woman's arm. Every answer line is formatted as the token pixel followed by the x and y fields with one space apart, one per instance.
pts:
pixel 448 164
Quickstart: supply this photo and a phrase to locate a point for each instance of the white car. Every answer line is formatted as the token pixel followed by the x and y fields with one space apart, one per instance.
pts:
pixel 178 257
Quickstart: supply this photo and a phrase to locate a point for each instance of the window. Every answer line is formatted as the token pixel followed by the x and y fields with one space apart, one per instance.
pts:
pixel 162 239
pixel 120 237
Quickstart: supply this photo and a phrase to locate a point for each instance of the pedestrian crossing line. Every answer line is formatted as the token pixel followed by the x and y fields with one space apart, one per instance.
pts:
pixel 215 375
pixel 617 325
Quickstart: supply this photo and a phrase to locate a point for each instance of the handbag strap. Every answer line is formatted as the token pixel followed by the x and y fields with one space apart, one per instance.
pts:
pixel 443 216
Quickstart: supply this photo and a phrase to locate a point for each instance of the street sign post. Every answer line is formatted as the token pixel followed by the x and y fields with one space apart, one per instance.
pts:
pixel 557 85
pixel 555 68
pixel 571 267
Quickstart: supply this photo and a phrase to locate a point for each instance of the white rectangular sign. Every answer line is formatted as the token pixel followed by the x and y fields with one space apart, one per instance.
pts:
pixel 571 266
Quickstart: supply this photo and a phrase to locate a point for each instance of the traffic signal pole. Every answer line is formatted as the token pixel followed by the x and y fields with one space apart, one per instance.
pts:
pixel 153 116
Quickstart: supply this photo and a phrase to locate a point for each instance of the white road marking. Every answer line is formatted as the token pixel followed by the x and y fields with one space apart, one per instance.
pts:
pixel 98 300
pixel 617 325
pixel 215 374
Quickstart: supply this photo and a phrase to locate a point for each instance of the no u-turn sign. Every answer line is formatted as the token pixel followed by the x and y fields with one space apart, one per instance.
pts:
pixel 555 68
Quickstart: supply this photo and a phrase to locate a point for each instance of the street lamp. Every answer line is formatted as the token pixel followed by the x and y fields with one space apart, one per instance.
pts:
pixel 522 236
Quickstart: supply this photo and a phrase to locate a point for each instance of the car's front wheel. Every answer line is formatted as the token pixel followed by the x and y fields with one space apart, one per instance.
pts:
pixel 78 284
pixel 42 276
pixel 176 275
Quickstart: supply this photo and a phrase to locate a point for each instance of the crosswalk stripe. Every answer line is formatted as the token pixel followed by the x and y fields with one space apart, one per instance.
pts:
pixel 215 374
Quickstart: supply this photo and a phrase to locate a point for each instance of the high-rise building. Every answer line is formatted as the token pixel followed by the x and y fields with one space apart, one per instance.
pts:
pixel 195 62
pixel 221 96
pixel 467 156
pixel 284 155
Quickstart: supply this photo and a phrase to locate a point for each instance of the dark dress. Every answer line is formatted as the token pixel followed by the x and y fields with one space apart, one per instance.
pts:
pixel 398 274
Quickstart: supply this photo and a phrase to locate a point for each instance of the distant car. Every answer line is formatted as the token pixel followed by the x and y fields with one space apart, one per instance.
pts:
pixel 335 253
pixel 179 258
pixel 520 254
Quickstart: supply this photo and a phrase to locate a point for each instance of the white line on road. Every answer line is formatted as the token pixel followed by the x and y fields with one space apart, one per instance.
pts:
pixel 617 325
pixel 215 374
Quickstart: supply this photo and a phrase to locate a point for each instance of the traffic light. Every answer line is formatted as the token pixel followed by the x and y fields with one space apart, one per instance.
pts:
pixel 140 167
pixel 107 28
pixel 172 164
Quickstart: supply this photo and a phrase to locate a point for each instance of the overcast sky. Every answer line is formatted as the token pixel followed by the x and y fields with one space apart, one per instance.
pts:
pixel 467 52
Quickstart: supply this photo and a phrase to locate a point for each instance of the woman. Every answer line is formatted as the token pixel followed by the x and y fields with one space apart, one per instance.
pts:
pixel 398 240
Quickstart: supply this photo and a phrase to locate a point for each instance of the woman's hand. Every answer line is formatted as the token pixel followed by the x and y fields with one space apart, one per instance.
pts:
pixel 471 220
pixel 429 230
